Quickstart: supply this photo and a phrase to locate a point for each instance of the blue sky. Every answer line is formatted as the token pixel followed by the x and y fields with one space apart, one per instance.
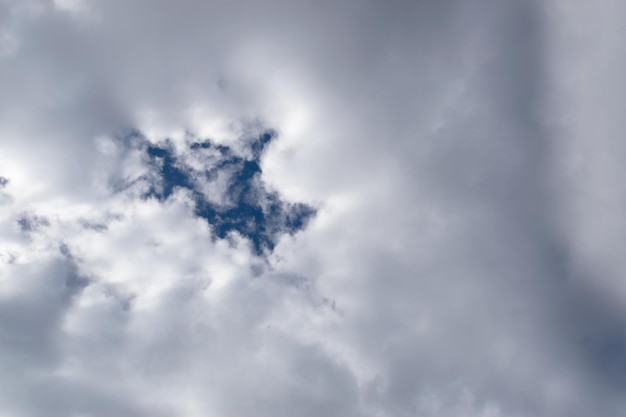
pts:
pixel 252 211
pixel 304 208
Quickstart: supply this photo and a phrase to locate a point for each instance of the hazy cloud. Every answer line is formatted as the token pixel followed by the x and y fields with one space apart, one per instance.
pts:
pixel 213 208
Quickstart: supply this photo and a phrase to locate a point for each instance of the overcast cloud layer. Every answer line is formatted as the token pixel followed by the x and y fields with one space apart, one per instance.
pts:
pixel 312 208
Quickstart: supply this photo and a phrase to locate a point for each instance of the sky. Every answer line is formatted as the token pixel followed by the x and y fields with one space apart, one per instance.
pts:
pixel 402 208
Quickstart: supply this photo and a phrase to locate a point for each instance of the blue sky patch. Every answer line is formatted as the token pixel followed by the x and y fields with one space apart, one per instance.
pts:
pixel 252 210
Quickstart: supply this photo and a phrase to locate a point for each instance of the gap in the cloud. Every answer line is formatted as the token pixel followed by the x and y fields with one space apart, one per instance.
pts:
pixel 248 206
pixel 29 222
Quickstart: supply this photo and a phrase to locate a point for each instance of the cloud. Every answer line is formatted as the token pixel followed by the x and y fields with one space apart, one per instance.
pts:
pixel 305 209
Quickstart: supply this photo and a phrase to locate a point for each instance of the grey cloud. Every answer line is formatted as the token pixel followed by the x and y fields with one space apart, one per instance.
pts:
pixel 464 260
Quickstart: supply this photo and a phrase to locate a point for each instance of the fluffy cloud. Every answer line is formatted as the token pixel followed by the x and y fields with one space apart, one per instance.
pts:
pixel 306 209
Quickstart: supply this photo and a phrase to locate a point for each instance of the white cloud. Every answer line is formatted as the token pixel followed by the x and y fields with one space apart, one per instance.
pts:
pixel 464 160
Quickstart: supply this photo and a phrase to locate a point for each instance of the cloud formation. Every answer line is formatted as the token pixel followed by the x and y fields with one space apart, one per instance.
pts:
pixel 281 208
